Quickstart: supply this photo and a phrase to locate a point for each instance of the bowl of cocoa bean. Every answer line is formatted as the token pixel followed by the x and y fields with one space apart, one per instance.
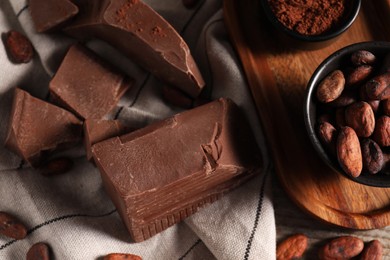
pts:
pixel 347 112
pixel 309 24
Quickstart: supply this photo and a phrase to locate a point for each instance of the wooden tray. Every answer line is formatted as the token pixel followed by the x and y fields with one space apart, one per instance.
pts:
pixel 277 77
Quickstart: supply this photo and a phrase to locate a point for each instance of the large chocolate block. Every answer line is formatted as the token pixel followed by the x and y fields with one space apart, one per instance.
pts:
pixel 37 127
pixel 160 174
pixel 49 15
pixel 143 35
pixel 96 130
pixel 87 85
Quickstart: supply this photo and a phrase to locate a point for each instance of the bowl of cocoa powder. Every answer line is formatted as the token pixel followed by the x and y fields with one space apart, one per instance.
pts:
pixel 347 112
pixel 310 24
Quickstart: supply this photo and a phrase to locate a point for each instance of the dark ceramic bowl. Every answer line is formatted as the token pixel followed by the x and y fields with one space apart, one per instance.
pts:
pixel 337 60
pixel 300 41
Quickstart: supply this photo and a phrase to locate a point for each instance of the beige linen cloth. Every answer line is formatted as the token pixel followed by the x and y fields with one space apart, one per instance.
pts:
pixel 72 212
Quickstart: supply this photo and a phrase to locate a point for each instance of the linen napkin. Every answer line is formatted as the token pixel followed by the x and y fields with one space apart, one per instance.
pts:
pixel 71 212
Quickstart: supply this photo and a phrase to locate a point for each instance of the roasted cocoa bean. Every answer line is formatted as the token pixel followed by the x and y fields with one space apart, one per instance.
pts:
pixel 372 102
pixel 361 118
pixel 117 256
pixel 56 166
pixel 379 87
pixel 381 133
pixel 372 251
pixel 386 106
pixel 292 247
pixel 373 160
pixel 38 251
pixel 346 98
pixel 331 87
pixel 328 136
pixel 18 46
pixel 349 153
pixel 344 247
pixel 11 227
pixel 358 75
pixel 362 57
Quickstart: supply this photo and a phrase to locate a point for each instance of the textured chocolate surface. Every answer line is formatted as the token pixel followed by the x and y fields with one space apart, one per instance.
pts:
pixel 87 85
pixel 99 130
pixel 143 35
pixel 49 15
pixel 37 127
pixel 162 173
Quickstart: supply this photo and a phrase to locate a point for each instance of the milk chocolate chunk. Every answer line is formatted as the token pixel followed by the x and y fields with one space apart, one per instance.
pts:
pixel 87 85
pixel 143 35
pixel 37 127
pixel 163 173
pixel 49 15
pixel 99 130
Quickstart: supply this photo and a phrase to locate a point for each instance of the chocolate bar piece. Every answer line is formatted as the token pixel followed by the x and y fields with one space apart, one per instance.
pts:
pixel 143 35
pixel 49 15
pixel 160 174
pixel 87 85
pixel 37 127
pixel 99 130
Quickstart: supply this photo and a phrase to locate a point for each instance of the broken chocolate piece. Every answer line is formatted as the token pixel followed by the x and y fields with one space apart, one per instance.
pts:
pixel 163 173
pixel 87 85
pixel 37 127
pixel 99 130
pixel 144 36
pixel 48 15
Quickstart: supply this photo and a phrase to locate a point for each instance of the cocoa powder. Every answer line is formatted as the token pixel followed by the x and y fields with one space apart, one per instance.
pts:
pixel 308 17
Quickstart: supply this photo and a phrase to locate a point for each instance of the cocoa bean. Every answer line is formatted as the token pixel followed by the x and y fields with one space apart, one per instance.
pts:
pixel 327 133
pixel 38 251
pixel 292 247
pixel 358 75
pixel 362 57
pixel 373 159
pixel 117 256
pixel 11 227
pixel 361 118
pixel 379 87
pixel 331 87
pixel 344 247
pixel 372 102
pixel 349 153
pixel 18 46
pixel 372 251
pixel 381 133
pixel 386 106
pixel 346 98
pixel 56 166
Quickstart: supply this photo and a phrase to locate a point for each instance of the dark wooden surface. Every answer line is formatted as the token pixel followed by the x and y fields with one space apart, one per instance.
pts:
pixel 309 196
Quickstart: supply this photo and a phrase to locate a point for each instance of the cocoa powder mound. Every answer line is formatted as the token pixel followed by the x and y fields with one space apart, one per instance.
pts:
pixel 308 17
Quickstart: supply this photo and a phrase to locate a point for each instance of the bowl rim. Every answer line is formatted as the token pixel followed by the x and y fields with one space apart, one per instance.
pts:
pixel 355 8
pixel 309 124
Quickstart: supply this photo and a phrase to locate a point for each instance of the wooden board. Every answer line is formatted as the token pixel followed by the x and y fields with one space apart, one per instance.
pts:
pixel 277 76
